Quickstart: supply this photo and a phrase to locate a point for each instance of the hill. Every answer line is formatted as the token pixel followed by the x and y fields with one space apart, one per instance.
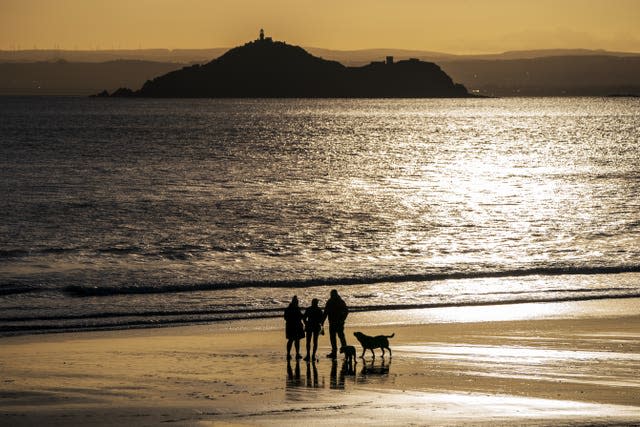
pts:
pixel 267 68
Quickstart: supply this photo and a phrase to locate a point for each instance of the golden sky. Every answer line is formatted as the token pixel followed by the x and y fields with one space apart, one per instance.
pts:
pixel 455 26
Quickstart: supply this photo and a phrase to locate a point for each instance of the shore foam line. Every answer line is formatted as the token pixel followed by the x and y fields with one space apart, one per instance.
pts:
pixel 93 291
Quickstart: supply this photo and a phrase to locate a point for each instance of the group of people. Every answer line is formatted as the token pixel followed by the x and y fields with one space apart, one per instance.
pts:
pixel 311 324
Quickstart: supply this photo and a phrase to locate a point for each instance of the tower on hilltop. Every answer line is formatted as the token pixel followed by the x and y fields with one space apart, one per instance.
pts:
pixel 262 38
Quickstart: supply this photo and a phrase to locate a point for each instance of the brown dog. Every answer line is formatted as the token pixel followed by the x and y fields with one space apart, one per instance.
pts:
pixel 369 343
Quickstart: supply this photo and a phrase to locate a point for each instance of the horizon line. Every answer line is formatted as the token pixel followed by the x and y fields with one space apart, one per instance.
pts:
pixel 544 49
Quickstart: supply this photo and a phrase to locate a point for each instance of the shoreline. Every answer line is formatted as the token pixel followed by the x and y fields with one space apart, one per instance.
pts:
pixel 367 311
pixel 526 364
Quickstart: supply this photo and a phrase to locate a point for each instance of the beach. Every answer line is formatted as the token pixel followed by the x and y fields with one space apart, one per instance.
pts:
pixel 149 247
pixel 571 363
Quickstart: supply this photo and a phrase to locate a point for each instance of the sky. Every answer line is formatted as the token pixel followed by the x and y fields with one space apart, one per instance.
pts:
pixel 453 26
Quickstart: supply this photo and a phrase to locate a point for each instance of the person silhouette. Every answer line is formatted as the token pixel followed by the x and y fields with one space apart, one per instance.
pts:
pixel 336 311
pixel 294 329
pixel 313 320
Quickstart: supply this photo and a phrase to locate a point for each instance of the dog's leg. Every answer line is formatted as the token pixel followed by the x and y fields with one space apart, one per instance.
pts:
pixel 362 355
pixel 389 348
pixel 373 354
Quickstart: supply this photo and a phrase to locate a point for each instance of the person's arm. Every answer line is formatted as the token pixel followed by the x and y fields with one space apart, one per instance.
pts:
pixel 345 311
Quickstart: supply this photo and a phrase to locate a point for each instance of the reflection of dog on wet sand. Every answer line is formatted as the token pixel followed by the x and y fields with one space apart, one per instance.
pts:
pixel 372 369
pixel 369 343
pixel 349 352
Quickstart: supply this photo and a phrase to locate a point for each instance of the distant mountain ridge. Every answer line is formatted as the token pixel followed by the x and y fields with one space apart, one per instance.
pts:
pixel 359 57
pixel 580 73
pixel 265 68
pixel 76 78
pixel 180 56
pixel 345 57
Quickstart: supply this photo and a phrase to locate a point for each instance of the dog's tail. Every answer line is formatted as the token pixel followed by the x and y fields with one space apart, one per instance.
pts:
pixel 390 336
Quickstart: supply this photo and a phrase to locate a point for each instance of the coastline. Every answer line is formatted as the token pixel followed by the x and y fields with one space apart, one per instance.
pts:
pixel 528 364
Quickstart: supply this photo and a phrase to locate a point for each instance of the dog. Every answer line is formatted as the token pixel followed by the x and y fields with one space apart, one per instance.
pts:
pixel 349 352
pixel 369 343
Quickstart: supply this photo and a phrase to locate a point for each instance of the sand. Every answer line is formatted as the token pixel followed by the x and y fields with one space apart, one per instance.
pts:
pixel 527 364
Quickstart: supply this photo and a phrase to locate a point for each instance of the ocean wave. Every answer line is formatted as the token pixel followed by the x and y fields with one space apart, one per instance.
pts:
pixel 94 291
pixel 100 321
pixel 16 289
pixel 13 253
pixel 22 253
pixel 172 252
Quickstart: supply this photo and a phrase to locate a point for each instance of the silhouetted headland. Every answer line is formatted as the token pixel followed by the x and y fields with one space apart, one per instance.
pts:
pixel 264 68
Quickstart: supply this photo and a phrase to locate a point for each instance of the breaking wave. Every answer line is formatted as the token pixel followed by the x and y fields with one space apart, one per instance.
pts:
pixel 93 291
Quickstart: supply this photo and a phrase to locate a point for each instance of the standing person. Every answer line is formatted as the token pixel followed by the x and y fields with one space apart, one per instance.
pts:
pixel 336 311
pixel 293 327
pixel 313 321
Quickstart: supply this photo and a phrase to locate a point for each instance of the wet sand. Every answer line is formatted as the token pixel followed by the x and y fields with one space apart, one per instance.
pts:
pixel 529 364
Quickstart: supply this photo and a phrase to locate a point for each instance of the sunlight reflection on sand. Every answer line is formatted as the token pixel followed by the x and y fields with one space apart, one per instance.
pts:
pixel 507 312
pixel 575 366
pixel 371 407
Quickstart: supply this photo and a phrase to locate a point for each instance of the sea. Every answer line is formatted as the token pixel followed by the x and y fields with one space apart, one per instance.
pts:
pixel 129 213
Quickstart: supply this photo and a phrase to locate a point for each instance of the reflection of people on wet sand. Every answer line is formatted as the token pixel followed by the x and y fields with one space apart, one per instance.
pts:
pixel 293 327
pixel 312 381
pixel 293 378
pixel 336 311
pixel 313 320
pixel 338 377
pixel 336 383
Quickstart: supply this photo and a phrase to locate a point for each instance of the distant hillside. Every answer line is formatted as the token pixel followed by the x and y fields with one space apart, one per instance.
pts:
pixel 561 73
pixel 365 56
pixel 181 56
pixel 345 57
pixel 552 76
pixel 67 78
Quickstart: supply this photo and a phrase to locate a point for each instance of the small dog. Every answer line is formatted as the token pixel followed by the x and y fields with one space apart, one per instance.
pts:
pixel 369 343
pixel 349 354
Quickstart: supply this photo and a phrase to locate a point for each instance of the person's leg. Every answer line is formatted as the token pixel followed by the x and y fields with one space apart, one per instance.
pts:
pixel 332 339
pixel 308 338
pixel 315 344
pixel 340 331
pixel 297 344
pixel 289 342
